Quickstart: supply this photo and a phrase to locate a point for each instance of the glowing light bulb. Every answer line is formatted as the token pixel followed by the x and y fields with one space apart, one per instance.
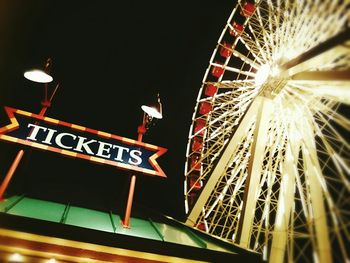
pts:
pixel 291 53
pixel 38 76
pixel 275 71
pixel 16 257
pixel 262 74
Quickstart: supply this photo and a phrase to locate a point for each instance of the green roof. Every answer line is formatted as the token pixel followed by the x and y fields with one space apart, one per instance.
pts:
pixel 168 230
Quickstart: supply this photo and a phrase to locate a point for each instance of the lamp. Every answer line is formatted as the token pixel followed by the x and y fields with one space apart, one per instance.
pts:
pixel 43 76
pixel 38 75
pixel 150 111
pixel 154 110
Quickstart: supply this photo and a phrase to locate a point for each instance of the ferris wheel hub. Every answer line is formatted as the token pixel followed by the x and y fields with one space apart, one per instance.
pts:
pixel 271 80
pixel 273 86
pixel 262 74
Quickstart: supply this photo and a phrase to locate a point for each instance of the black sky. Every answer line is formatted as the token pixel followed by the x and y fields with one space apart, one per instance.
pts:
pixel 109 57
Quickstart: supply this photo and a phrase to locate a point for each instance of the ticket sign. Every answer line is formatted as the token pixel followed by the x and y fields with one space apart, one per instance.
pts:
pixel 80 142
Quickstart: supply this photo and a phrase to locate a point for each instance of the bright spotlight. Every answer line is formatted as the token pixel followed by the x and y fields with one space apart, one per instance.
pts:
pixel 37 75
pixel 262 74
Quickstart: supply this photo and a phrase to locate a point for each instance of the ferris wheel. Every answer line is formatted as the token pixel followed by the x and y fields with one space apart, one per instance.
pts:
pixel 268 155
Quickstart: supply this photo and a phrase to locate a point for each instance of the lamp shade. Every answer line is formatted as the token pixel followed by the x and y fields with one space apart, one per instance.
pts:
pixel 154 110
pixel 38 75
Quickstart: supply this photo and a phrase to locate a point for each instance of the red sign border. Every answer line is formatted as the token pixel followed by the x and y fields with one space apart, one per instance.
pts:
pixel 14 124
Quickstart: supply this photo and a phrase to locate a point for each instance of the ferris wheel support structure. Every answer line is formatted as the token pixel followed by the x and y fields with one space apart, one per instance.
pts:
pixel 268 163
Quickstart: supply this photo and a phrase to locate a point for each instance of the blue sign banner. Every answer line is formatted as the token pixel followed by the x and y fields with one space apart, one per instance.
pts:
pixel 80 142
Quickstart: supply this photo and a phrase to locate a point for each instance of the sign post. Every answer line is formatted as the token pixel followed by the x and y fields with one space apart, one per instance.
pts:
pixel 126 221
pixel 46 103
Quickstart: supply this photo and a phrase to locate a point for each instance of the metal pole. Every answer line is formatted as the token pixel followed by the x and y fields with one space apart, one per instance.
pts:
pixel 10 173
pixel 45 103
pixel 126 222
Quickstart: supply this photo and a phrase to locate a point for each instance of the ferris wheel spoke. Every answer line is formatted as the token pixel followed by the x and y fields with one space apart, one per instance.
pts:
pixel 337 90
pixel 226 157
pixel 242 57
pixel 239 84
pixel 285 203
pixel 227 224
pixel 253 40
pixel 235 70
pixel 318 216
pixel 337 160
pixel 263 36
pixel 254 169
pixel 336 117
pixel 324 75
pixel 267 37
pixel 327 110
pixel 252 44
pixel 332 133
pixel 289 17
pixel 323 54
pixel 296 17
pixel 305 21
pixel 281 30
pixel 273 24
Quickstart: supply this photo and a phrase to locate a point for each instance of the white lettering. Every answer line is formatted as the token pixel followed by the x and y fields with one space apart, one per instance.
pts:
pixel 136 157
pixel 103 151
pixel 120 152
pixel 34 131
pixel 81 144
pixel 59 137
pixel 49 136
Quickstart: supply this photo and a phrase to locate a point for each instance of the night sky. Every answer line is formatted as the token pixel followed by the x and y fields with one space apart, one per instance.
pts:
pixel 109 58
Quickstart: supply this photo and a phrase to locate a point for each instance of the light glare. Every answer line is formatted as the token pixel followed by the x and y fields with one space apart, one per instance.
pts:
pixel 16 257
pixel 262 74
pixel 38 76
